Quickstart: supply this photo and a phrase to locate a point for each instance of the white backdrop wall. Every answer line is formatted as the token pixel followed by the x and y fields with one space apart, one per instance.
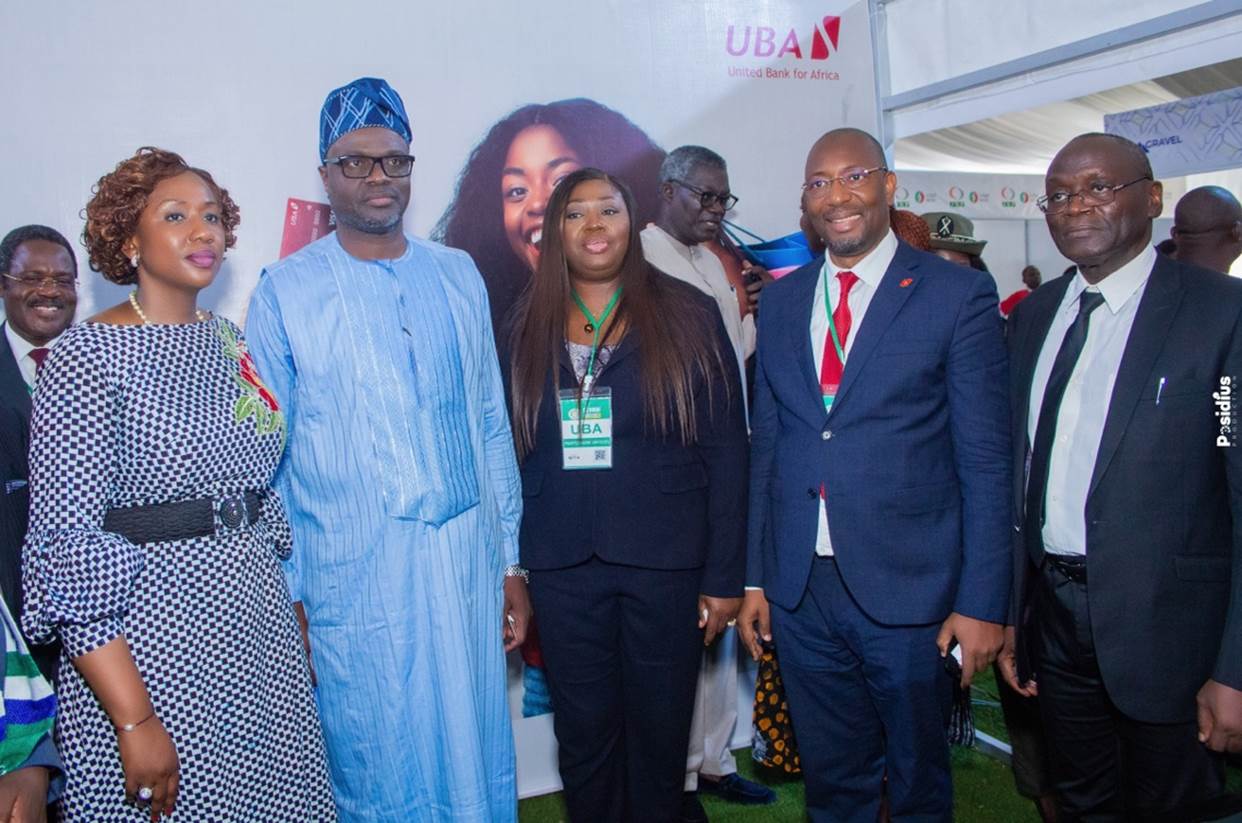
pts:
pixel 235 87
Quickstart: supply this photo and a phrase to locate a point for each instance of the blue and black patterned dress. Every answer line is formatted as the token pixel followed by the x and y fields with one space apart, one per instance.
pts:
pixel 139 415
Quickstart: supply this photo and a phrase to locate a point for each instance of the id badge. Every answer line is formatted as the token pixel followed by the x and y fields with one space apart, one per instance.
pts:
pixel 586 429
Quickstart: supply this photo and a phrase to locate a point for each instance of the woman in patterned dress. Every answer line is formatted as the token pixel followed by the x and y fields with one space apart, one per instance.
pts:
pixel 154 542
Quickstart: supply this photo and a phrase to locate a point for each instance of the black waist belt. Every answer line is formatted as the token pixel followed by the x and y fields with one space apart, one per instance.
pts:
pixel 1071 566
pixel 165 522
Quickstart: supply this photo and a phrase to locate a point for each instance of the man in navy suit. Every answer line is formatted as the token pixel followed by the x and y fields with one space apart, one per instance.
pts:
pixel 877 533
pixel 1127 551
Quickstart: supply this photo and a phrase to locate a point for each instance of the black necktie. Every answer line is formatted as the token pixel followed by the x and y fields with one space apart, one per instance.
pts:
pixel 1045 429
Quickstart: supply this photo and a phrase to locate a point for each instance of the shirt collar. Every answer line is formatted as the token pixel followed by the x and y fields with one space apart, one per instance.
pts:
pixel 870 269
pixel 21 346
pixel 690 253
pixel 1119 286
pixel 403 257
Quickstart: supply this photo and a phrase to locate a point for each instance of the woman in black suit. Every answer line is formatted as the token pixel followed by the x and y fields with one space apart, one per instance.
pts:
pixel 627 412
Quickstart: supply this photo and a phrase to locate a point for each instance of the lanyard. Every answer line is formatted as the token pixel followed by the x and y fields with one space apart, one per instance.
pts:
pixel 597 323
pixel 832 326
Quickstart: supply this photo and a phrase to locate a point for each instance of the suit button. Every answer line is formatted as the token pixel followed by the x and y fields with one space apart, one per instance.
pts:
pixel 827 435
pixel 812 493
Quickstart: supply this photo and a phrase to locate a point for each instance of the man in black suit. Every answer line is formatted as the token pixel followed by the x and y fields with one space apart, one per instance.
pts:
pixel 38 283
pixel 1128 562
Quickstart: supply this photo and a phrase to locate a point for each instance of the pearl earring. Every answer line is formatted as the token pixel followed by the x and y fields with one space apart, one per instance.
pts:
pixel 133 260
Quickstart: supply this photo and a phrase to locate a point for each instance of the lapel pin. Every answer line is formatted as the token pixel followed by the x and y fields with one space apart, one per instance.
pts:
pixel 906 282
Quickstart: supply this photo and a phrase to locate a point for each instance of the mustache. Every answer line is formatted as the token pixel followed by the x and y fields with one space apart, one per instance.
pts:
pixel 382 190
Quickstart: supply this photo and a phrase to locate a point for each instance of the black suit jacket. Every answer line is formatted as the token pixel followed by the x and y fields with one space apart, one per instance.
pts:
pixel 15 494
pixel 662 505
pixel 1164 553
pixel 13 390
pixel 14 504
pixel 15 500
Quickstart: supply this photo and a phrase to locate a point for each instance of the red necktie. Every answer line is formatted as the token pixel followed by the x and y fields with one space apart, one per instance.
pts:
pixel 830 371
pixel 38 356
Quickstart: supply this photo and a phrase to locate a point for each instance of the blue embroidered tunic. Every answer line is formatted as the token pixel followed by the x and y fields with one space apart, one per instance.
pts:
pixel 403 495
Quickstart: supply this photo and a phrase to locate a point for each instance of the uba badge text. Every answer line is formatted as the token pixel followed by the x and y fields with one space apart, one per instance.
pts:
pixel 586 428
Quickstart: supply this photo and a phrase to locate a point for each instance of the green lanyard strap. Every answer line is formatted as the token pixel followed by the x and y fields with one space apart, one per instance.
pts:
pixel 832 326
pixel 597 323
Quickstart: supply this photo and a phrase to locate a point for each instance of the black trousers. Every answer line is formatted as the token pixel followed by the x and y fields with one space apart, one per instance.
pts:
pixel 621 646
pixel 1029 756
pixel 1107 766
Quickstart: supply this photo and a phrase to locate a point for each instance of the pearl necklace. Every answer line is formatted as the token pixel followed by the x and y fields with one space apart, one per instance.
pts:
pixel 133 301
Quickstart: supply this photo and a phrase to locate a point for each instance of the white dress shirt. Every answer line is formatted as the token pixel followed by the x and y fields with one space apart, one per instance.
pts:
pixel 1084 406
pixel 21 353
pixel 870 271
pixel 702 269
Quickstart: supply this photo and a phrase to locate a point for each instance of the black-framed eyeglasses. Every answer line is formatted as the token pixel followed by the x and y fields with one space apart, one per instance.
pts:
pixel 358 166
pixel 820 186
pixel 1096 194
pixel 707 198
pixel 63 282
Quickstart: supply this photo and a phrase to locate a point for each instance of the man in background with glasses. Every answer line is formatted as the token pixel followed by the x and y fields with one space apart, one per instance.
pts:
pixel 38 282
pixel 1127 553
pixel 39 286
pixel 401 486
pixel 877 538
pixel 694 199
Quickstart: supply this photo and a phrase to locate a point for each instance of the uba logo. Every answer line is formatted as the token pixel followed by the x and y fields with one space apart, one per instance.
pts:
pixel 761 41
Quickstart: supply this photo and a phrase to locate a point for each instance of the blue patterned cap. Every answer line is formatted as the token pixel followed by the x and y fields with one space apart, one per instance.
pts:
pixel 366 102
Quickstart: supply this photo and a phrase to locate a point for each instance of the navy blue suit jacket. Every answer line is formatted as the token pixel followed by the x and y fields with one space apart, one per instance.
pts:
pixel 662 505
pixel 1164 548
pixel 914 456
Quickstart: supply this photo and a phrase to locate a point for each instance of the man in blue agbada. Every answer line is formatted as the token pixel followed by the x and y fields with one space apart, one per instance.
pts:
pixel 401 485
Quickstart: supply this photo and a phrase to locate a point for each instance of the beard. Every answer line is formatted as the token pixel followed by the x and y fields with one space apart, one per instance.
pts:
pixel 369 225
pixel 848 247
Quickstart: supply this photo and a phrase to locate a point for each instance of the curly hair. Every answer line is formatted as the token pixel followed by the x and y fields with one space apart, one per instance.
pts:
pixel 474 221
pixel 120 196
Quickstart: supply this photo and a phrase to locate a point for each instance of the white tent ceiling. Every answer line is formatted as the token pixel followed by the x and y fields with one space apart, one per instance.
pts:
pixel 1024 142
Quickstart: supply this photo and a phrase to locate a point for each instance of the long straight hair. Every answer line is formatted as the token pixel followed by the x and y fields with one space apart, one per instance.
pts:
pixel 677 338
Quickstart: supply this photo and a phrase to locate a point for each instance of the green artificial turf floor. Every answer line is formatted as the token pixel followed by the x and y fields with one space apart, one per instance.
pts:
pixel 983 786
pixel 983 790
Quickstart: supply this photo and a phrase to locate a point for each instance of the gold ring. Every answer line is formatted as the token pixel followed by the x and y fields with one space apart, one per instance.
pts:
pixel 732 622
